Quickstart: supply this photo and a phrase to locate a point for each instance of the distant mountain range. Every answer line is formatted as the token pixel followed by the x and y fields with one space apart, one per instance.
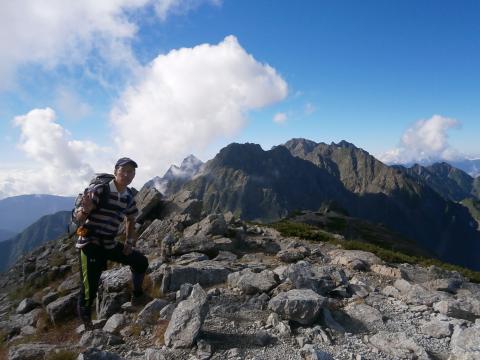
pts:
pixel 301 174
pixel 18 212
pixel 47 228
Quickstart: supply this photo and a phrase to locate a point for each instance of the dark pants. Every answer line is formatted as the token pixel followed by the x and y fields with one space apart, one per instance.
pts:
pixel 93 260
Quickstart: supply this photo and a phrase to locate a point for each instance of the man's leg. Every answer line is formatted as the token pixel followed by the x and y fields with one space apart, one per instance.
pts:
pixel 138 264
pixel 92 263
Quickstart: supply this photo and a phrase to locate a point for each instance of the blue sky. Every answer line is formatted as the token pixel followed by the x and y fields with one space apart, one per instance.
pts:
pixel 158 80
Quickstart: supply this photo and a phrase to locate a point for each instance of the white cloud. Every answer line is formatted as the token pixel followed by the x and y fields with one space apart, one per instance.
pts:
pixel 280 118
pixel 62 165
pixel 71 105
pixel 188 99
pixel 56 32
pixel 425 141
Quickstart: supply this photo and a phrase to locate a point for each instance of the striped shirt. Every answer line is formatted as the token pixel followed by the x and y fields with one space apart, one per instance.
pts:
pixel 104 221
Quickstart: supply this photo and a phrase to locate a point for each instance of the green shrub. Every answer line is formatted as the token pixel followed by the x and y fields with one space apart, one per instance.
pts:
pixel 304 231
pixel 62 355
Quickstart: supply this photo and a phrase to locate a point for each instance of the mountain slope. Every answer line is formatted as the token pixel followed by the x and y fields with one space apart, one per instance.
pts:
pixel 47 228
pixel 267 185
pixel 17 212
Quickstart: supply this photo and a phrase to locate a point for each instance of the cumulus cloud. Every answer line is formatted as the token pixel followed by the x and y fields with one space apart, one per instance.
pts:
pixel 280 118
pixel 63 165
pixel 70 32
pixel 189 98
pixel 425 141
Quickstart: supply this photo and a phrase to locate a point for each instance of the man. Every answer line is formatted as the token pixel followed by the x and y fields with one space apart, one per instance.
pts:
pixel 102 212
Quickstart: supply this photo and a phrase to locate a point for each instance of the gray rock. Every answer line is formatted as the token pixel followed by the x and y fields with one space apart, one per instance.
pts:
pixel 250 282
pixel 354 259
pixel 97 354
pixel 320 279
pixel 226 256
pixel 62 308
pixel 31 351
pixel 204 350
pixel 50 297
pixel 69 284
pixel 26 305
pixel 159 229
pixel 155 354
pixel 465 344
pixel 109 303
pixel 391 291
pixel 114 324
pixel 115 280
pixel 97 338
pixel 167 312
pixel 151 312
pixel 184 291
pixel 196 243
pixel 300 305
pixel 310 352
pixel 182 203
pixel 388 271
pixel 368 317
pixel 398 345
pixel 191 257
pixel 206 273
pixel 187 319
pixel 450 285
pixel 292 255
pixel 437 329
pixel 28 319
pixel 457 308
pixel 212 224
pixel 147 199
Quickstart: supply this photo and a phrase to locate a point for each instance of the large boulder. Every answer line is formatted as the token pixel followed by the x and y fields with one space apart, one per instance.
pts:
pixel 465 344
pixel 212 224
pixel 63 308
pixel 151 312
pixel 206 273
pixel 31 351
pixel 364 317
pixel 182 203
pixel 320 279
pixel 460 309
pixel 300 305
pixel 250 282
pixel 26 305
pixel 159 229
pixel 194 243
pixel 187 320
pixel 398 345
pixel 148 200
pixel 354 259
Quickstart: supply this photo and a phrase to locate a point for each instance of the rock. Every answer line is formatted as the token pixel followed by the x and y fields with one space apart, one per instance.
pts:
pixel 450 285
pixel 457 309
pixel 464 342
pixel 156 232
pixel 388 271
pixel 63 308
pixel 367 317
pixel 195 243
pixel 310 352
pixel 398 345
pixel 204 350
pixel 184 291
pixel 226 256
pixel 182 203
pixel 330 322
pixel 151 312
pixel 300 305
pixel 97 354
pixel 250 282
pixel 212 224
pixel 115 280
pixel 26 305
pixel 97 338
pixel 264 244
pixel 206 273
pixel 354 259
pixel 28 319
pixel 437 329
pixel 191 257
pixel 224 244
pixel 321 279
pixel 187 319
pixel 148 200
pixel 166 312
pixel 263 338
pixel 31 351
pixel 69 284
pixel 390 291
pixel 111 303
pixel 155 354
pixel 114 324
pixel 50 297
pixel 292 255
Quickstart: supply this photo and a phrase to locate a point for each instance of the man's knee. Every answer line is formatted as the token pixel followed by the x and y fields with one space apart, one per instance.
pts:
pixel 141 263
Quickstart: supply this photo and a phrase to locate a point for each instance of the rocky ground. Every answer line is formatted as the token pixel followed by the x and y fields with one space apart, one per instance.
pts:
pixel 223 289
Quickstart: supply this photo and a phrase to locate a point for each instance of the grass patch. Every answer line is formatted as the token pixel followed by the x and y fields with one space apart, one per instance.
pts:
pixel 383 251
pixel 62 355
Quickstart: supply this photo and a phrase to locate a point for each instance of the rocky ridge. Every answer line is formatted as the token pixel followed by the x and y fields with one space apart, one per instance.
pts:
pixel 226 289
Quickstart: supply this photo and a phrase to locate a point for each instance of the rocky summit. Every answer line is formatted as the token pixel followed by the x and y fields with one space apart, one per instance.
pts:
pixel 223 288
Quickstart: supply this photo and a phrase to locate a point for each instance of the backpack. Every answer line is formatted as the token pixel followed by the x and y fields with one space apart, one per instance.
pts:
pixel 99 179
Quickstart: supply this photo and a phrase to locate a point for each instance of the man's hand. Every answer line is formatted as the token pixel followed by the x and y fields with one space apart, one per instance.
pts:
pixel 127 249
pixel 87 202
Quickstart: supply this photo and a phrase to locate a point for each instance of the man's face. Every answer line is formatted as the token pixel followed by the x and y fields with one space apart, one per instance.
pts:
pixel 124 174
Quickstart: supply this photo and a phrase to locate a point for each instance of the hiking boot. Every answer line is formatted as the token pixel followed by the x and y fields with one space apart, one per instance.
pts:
pixel 140 299
pixel 85 316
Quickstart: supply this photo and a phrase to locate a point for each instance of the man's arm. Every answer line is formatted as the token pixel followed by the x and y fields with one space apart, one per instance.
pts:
pixel 130 233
